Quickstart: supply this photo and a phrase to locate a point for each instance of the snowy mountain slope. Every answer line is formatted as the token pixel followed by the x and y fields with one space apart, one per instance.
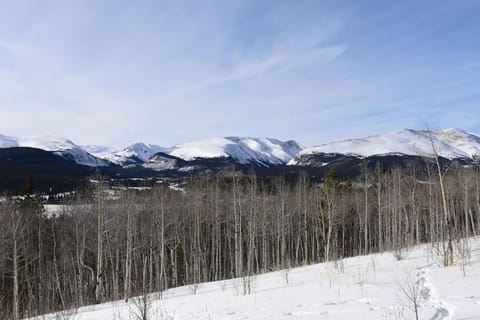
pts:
pixel 449 143
pixel 58 145
pixel 244 150
pixel 466 142
pixel 99 151
pixel 132 154
pixel 8 142
pixel 162 162
pixel 363 287
pixel 264 151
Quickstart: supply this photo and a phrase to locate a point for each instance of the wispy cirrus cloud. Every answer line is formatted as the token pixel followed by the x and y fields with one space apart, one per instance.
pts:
pixel 166 72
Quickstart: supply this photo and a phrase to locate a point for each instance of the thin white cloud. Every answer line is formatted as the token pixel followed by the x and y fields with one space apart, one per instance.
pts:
pixel 117 73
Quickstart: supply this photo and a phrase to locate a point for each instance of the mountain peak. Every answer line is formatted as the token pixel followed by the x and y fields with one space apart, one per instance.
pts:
pixel 264 151
pixel 449 143
pixel 58 145
pixel 135 152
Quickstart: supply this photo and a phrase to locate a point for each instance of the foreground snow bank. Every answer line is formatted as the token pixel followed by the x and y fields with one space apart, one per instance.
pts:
pixel 364 287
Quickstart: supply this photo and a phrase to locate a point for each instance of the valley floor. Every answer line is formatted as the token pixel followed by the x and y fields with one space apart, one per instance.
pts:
pixel 364 287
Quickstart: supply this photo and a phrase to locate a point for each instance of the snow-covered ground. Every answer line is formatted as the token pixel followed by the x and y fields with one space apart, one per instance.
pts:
pixel 364 287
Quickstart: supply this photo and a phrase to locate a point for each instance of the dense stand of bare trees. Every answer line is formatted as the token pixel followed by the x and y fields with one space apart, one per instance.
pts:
pixel 102 248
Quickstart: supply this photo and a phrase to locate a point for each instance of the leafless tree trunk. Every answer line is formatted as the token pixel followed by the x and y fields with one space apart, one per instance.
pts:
pixel 99 288
pixel 16 229
pixel 128 253
pixel 448 259
pixel 410 295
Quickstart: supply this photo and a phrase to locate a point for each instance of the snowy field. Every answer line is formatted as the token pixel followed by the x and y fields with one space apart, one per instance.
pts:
pixel 364 287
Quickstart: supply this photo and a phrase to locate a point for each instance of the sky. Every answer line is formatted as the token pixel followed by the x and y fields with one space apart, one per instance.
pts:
pixel 114 72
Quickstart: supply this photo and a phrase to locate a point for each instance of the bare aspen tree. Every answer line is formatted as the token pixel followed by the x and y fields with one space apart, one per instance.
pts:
pixel 466 180
pixel 330 201
pixel 413 198
pixel 99 289
pixel 216 242
pixel 448 258
pixel 379 171
pixel 128 253
pixel 477 195
pixel 85 273
pixel 409 293
pixel 55 265
pixel 280 241
pixel 303 208
pixel 160 210
pixel 237 229
pixel 251 233
pixel 366 181
pixel 16 231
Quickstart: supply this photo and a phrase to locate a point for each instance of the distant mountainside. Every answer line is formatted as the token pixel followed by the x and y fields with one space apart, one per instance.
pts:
pixel 60 146
pixel 135 153
pixel 99 151
pixel 448 143
pixel 244 150
pixel 51 172
pixel 216 155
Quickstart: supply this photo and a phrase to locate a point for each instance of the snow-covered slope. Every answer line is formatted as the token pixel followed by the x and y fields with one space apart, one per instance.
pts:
pixel 58 145
pixel 244 150
pixel 449 143
pixel 99 151
pixel 162 162
pixel 131 154
pixel 364 287
pixel 468 143
pixel 8 142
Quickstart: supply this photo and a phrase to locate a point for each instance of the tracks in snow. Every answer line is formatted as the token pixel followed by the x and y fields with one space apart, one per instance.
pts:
pixel 444 311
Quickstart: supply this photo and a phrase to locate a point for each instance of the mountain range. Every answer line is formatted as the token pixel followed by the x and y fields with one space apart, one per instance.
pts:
pixel 215 154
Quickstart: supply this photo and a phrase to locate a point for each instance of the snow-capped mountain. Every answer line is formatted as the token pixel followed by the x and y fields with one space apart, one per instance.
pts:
pixel 266 152
pixel 449 143
pixel 244 150
pixel 137 152
pixel 224 156
pixel 58 145
pixel 99 151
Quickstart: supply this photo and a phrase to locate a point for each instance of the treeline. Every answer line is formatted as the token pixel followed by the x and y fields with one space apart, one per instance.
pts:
pixel 106 246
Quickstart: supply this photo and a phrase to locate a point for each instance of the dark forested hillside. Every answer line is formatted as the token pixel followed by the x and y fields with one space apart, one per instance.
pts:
pixel 49 171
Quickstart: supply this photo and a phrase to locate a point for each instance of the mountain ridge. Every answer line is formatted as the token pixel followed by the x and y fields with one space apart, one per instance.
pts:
pixel 225 156
pixel 58 145
pixel 450 143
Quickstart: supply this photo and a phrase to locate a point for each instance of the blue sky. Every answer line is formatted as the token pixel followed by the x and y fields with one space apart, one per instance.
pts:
pixel 166 72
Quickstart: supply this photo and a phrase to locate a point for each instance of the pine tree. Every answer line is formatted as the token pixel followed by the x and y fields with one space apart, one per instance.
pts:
pixel 28 188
